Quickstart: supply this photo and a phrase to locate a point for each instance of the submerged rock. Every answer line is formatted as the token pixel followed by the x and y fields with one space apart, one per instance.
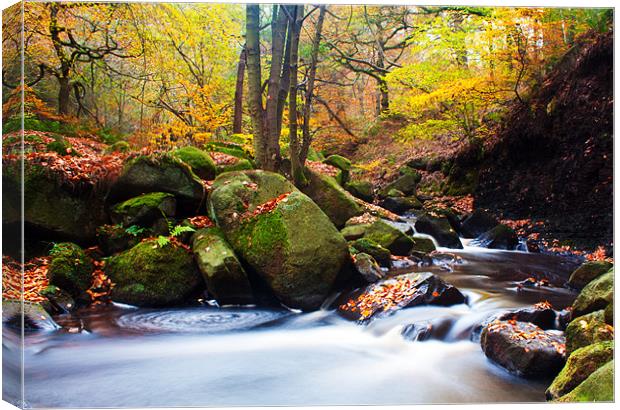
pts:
pixel 407 290
pixel 500 237
pixel 579 366
pixel 523 348
pixel 70 268
pixel 587 272
pixel 152 275
pixel 144 209
pixel 338 204
pixel 596 295
pixel 284 236
pixel 599 386
pixel 226 279
pixel 440 229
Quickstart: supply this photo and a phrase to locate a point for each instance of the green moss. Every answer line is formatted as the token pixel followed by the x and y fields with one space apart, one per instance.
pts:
pixel 579 366
pixel 200 162
pixel 150 275
pixel 424 245
pixel 364 245
pixel 70 268
pixel 60 146
pixel 353 232
pixel 150 200
pixel 588 272
pixel 596 295
pixel 599 386
pixel 241 165
pixel 339 162
pixel 360 189
pixel 390 238
pixel 119 146
pixel 586 330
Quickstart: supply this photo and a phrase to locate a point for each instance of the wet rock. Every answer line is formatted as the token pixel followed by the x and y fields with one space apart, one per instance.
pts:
pixel 598 387
pixel 440 229
pixel 59 301
pixel 408 290
pixel 564 318
pixel 500 237
pixel 281 233
pixel 360 189
pixel 337 203
pixel 390 238
pixel 588 272
pixel 417 332
pixel 153 275
pixel 579 366
pixel 523 348
pixel 378 252
pixel 542 316
pixel 161 173
pixel 34 316
pixel 199 161
pixel 226 279
pixel 144 209
pixel 423 245
pixel 401 204
pixel 586 330
pixel 479 222
pixel 353 232
pixel 596 295
pixel 368 267
pixel 70 268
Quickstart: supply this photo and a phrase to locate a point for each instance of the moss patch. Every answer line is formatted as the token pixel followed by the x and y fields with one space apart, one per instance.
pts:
pixel 200 162
pixel 599 386
pixel 70 268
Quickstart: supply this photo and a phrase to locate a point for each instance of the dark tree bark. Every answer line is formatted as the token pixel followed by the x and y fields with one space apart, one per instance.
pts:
pixel 296 20
pixel 238 115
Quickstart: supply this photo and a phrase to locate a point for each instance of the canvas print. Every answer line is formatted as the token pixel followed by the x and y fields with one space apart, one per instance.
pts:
pixel 228 204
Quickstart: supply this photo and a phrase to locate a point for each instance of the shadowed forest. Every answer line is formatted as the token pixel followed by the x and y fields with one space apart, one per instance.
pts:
pixel 325 180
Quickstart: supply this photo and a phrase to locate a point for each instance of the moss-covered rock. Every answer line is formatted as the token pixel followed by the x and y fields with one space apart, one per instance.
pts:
pixel 50 207
pixel 378 252
pixel 119 146
pixel 609 313
pixel 60 146
pixel 599 386
pixel 390 238
pixel 424 245
pixel 401 204
pixel 395 193
pixel 199 161
pixel 226 279
pixel 588 272
pixel 339 162
pixel 153 275
pixel 596 295
pixel 440 229
pixel 117 238
pixel 159 173
pixel 70 268
pixel 586 330
pixel 337 203
pixel 144 209
pixel 579 366
pixel 353 232
pixel 240 165
pixel 278 231
pixel 360 189
pixel 405 183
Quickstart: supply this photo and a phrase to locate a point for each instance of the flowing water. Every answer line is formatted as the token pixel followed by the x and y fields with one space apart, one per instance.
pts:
pixel 209 356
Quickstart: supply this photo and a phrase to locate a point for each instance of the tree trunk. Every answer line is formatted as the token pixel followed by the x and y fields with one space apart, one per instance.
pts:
pixel 295 28
pixel 64 95
pixel 255 103
pixel 307 138
pixel 238 116
pixel 384 97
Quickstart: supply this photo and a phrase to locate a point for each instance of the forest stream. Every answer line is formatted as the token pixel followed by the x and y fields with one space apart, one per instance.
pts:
pixel 210 356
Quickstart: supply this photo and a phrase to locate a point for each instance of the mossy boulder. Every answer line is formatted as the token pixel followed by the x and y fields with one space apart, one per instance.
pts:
pixel 281 234
pixel 579 366
pixel 587 273
pixel 339 162
pixel 117 238
pixel 378 252
pixel 353 232
pixel 144 209
pixel 70 268
pixel 586 330
pixel 199 161
pixel 337 203
pixel 360 189
pixel 52 208
pixel 159 173
pixel 599 386
pixel 405 183
pixel 440 229
pixel 390 238
pixel 240 165
pixel 401 204
pixel 500 237
pixel 226 279
pixel 152 275
pixel 596 295
pixel 423 245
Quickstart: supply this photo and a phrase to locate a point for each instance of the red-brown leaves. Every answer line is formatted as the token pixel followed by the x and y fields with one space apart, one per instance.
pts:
pixel 34 279
pixel 266 207
pixel 322 168
pixel 101 287
pixel 200 221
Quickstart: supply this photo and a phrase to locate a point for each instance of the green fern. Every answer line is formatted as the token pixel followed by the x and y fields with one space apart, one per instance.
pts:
pixel 135 230
pixel 162 241
pixel 179 229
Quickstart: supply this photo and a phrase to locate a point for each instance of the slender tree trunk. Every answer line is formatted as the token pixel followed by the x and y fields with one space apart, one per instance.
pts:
pixel 307 137
pixel 238 116
pixel 295 28
pixel 255 103
pixel 64 95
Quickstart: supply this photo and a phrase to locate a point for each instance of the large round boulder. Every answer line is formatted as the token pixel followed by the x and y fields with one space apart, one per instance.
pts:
pixel 586 330
pixel 199 161
pixel 599 386
pixel 150 274
pixel 596 295
pixel 281 234
pixel 579 366
pixel 587 272
pixel 226 279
